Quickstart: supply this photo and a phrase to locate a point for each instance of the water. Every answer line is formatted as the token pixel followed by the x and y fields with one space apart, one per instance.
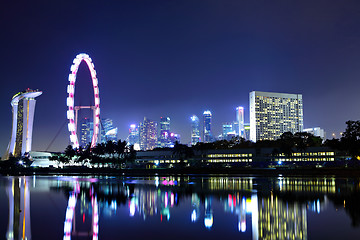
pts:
pixel 179 207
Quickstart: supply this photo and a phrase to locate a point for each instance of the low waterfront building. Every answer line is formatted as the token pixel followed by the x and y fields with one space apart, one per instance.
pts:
pixel 242 157
pixel 42 159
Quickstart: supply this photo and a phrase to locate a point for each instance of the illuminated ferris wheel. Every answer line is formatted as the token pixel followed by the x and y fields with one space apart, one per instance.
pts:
pixel 72 112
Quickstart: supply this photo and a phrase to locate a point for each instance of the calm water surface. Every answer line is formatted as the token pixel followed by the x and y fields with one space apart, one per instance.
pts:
pixel 179 207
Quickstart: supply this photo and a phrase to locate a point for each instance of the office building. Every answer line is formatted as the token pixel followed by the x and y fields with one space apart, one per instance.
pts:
pixel 23 108
pixel 228 131
pixel 164 135
pixel 247 131
pixel 174 137
pixel 207 134
pixel 133 138
pixel 240 122
pixel 195 130
pixel 316 131
pixel 272 114
pixel 148 134
pixel 108 131
pixel 86 131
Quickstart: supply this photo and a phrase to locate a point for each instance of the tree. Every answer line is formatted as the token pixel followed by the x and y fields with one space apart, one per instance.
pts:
pixel 69 152
pixel 131 154
pixel 287 143
pixel 350 139
pixel 110 148
pixel 120 148
pixel 182 151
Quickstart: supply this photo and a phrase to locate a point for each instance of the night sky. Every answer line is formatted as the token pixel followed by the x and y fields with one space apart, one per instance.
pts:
pixel 178 58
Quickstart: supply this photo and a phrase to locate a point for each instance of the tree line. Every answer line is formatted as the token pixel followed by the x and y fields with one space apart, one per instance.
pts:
pixel 114 154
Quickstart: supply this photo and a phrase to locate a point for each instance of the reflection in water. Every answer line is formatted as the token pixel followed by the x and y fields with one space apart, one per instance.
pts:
pixel 69 225
pixel 266 208
pixel 281 220
pixel 19 209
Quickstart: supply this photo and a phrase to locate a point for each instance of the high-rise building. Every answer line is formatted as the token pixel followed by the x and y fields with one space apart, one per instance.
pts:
pixel 23 108
pixel 247 131
pixel 272 114
pixel 133 138
pixel 148 134
pixel 86 131
pixel 164 136
pixel 227 131
pixel 207 134
pixel 195 130
pixel 174 137
pixel 316 131
pixel 108 131
pixel 240 122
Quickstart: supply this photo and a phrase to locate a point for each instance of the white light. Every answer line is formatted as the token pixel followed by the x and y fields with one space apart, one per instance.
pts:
pixel 71 127
pixel 70 89
pixel 95 82
pixel 71 77
pixel 132 207
pixel 73 68
pixel 97 101
pixel 193 216
pixel 97 111
pixel 69 213
pixel 76 61
pixel 70 114
pixel 207 112
pixel 194 118
pixel 70 102
pixel 208 221
pixel 73 138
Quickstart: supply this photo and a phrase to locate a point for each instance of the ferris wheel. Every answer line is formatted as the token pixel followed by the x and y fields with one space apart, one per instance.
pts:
pixel 72 112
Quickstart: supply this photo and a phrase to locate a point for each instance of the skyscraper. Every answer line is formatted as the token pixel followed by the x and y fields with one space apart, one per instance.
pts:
pixel 148 134
pixel 240 120
pixel 133 137
pixel 195 130
pixel 272 114
pixel 207 135
pixel 316 131
pixel 227 131
pixel 164 136
pixel 86 131
pixel 108 131
pixel 23 108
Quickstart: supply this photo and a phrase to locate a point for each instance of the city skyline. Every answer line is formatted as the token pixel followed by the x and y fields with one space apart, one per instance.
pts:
pixel 180 58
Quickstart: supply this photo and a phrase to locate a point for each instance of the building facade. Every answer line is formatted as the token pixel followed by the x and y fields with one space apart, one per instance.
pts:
pixel 316 131
pixel 207 134
pixel 240 122
pixel 272 114
pixel 164 134
pixel 23 108
pixel 228 131
pixel 108 131
pixel 195 130
pixel 133 138
pixel 86 131
pixel 148 134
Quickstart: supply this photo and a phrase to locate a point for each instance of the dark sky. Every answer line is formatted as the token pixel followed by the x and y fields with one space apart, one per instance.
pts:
pixel 178 58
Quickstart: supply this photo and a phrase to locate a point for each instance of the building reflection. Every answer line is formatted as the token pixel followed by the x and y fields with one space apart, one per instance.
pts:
pixel 19 209
pixel 281 220
pixel 268 208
